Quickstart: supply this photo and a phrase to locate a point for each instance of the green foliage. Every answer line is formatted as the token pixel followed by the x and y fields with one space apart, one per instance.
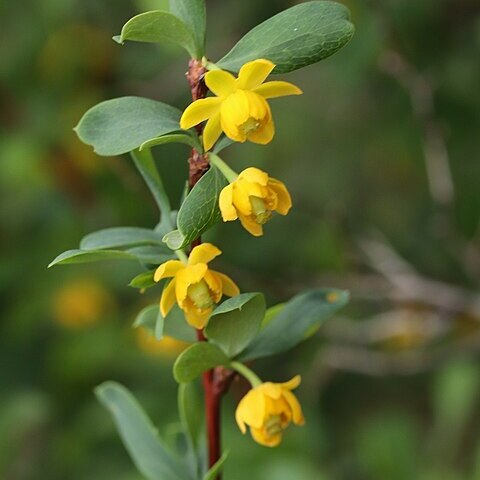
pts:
pixel 143 280
pixel 139 436
pixel 120 237
pixel 147 319
pixel 189 407
pixel 213 473
pixel 298 318
pixel 159 27
pixel 149 255
pixel 177 327
pixel 123 124
pixel 295 38
pixel 199 212
pixel 234 324
pixel 196 359
pixel 146 166
pixel 182 137
pixel 194 15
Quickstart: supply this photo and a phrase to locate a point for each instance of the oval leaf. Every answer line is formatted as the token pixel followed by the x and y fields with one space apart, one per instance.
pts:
pixel 120 237
pixel 147 319
pixel 143 280
pixel 184 138
pixel 234 324
pixel 192 13
pixel 159 27
pixel 296 320
pixel 123 124
pixel 177 327
pixel 295 38
pixel 199 211
pixel 189 407
pixel 196 359
pixel 138 434
pixel 87 256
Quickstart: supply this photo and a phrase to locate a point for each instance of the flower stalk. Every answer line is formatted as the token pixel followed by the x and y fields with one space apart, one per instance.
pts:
pixel 227 172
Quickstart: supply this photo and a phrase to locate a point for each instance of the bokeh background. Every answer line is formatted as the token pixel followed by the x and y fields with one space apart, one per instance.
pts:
pixel 381 155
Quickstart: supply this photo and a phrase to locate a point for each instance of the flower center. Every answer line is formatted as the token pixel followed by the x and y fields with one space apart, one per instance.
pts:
pixel 250 125
pixel 273 426
pixel 199 294
pixel 260 211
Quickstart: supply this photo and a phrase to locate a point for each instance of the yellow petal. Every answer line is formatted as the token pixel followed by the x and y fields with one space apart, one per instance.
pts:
pixel 241 197
pixel 261 437
pixel 214 285
pixel 251 409
pixel 212 132
pixel 253 74
pixel 264 134
pixel 225 202
pixel 168 269
pixel 251 226
pixel 221 83
pixel 199 111
pixel 297 414
pixel 196 318
pixel 168 298
pixel 277 89
pixel 203 253
pixel 229 287
pixel 272 390
pixel 255 175
pixel 187 276
pixel 283 196
pixel 292 384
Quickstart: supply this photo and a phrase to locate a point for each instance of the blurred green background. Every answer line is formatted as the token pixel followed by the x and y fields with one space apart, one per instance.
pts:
pixel 381 155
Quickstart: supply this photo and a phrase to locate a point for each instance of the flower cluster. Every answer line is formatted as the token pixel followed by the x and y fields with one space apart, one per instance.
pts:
pixel 240 110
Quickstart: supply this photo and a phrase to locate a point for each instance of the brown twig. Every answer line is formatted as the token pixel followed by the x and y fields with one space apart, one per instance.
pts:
pixel 213 383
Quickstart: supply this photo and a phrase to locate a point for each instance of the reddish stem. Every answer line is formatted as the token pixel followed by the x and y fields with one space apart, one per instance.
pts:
pixel 198 165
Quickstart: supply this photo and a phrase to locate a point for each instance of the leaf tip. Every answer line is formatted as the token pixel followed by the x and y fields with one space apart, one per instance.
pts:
pixel 118 39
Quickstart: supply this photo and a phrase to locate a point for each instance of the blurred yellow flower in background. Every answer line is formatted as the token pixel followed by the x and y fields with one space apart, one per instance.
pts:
pixel 240 108
pixel 194 287
pixel 167 347
pixel 268 410
pixel 81 303
pixel 252 198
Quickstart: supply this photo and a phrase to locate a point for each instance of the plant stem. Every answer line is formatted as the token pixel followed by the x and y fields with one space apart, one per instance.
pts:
pixel 243 370
pixel 227 172
pixel 198 165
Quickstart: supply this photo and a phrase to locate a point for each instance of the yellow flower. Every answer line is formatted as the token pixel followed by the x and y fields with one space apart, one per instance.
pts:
pixel 167 347
pixel 268 409
pixel 81 303
pixel 194 287
pixel 252 198
pixel 240 108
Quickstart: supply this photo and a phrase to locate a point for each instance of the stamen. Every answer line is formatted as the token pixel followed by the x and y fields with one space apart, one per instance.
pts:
pixel 273 426
pixel 199 294
pixel 260 211
pixel 250 126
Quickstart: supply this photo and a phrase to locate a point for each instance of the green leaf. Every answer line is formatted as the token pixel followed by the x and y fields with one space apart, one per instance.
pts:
pixel 190 411
pixel 87 256
pixel 199 212
pixel 154 255
pixel 143 280
pixel 234 324
pixel 177 327
pixel 299 317
pixel 222 144
pixel 146 166
pixel 138 434
pixel 295 38
pixel 120 237
pixel 213 473
pixel 185 138
pixel 147 319
pixel 123 124
pixel 196 359
pixel 193 14
pixel 159 27
pixel 159 327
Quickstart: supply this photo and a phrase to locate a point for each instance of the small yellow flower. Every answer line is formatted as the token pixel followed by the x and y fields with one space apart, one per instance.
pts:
pixel 240 108
pixel 268 410
pixel 252 198
pixel 194 287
